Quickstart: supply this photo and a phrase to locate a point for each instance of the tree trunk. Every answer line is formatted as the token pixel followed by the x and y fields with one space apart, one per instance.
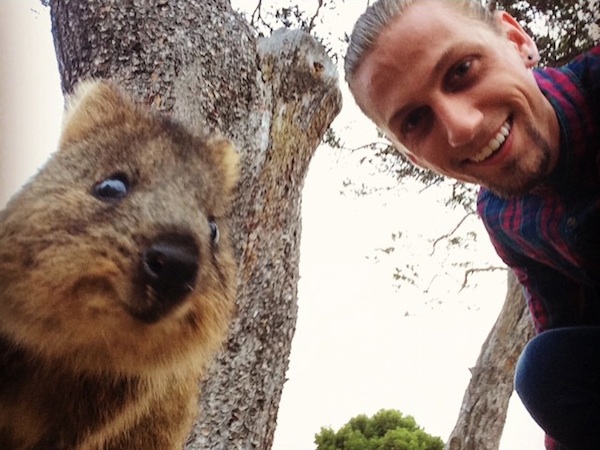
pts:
pixel 275 97
pixel 483 411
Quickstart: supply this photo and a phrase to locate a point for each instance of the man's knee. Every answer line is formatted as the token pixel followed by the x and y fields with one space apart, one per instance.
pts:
pixel 535 374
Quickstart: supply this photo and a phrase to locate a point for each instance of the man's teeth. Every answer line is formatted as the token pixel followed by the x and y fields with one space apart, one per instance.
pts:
pixel 494 144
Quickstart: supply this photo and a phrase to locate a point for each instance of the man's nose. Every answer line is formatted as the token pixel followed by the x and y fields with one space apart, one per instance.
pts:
pixel 460 118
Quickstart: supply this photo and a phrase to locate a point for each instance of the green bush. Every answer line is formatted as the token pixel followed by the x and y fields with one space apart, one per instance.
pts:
pixel 386 430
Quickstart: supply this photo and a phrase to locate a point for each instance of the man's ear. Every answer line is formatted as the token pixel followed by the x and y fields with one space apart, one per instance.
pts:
pixel 525 45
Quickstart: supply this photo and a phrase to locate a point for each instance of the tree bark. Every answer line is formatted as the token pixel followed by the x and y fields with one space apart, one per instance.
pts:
pixel 483 412
pixel 275 98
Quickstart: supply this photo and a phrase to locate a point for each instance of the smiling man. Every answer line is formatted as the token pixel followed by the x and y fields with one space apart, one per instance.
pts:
pixel 456 89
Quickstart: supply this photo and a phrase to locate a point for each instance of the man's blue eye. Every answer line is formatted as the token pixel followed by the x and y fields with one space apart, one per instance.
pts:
pixel 460 76
pixel 414 119
pixel 463 68
pixel 112 188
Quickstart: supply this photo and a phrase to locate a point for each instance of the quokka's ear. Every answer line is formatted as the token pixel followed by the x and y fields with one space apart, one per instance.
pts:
pixel 94 104
pixel 227 160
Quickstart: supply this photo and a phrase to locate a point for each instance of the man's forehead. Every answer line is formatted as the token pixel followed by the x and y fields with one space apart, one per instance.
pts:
pixel 412 51
pixel 401 57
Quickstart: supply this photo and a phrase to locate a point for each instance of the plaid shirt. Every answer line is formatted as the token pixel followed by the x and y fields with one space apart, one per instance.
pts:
pixel 550 237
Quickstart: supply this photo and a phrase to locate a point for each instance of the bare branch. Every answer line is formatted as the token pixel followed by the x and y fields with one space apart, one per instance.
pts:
pixel 450 233
pixel 311 23
pixel 370 145
pixel 469 272
pixel 256 17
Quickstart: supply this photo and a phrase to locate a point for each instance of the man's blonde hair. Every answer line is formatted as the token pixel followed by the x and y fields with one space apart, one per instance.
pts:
pixel 381 13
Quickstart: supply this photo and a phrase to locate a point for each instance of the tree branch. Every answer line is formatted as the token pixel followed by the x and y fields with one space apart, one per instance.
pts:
pixel 483 411
pixel 469 272
pixel 311 23
pixel 450 233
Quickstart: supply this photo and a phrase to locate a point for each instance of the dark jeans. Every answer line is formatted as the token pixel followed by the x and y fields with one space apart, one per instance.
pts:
pixel 558 380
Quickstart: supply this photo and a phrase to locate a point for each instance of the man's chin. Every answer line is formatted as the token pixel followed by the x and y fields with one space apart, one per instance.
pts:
pixel 519 186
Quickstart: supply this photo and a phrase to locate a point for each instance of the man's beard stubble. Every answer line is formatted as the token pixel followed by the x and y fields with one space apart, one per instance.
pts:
pixel 524 179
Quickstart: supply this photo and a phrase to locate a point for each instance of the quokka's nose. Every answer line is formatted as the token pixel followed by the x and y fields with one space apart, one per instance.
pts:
pixel 169 267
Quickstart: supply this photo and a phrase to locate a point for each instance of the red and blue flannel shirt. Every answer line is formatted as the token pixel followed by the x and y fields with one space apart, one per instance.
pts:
pixel 550 237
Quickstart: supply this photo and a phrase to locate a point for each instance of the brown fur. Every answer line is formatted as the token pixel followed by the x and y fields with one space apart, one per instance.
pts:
pixel 91 357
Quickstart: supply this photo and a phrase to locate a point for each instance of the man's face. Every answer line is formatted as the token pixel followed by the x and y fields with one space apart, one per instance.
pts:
pixel 461 98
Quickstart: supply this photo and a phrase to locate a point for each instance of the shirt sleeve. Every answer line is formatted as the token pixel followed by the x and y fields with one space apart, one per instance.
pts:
pixel 553 299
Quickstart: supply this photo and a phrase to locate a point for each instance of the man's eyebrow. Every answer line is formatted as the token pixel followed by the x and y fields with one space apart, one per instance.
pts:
pixel 445 59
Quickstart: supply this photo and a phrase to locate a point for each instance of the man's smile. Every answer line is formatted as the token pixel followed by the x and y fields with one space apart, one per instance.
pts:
pixel 493 145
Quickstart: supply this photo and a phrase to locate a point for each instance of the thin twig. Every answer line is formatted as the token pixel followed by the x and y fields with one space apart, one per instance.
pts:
pixel 450 233
pixel 480 269
pixel 311 24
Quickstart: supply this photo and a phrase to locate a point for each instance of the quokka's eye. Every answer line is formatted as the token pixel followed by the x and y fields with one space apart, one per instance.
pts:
pixel 214 231
pixel 115 187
